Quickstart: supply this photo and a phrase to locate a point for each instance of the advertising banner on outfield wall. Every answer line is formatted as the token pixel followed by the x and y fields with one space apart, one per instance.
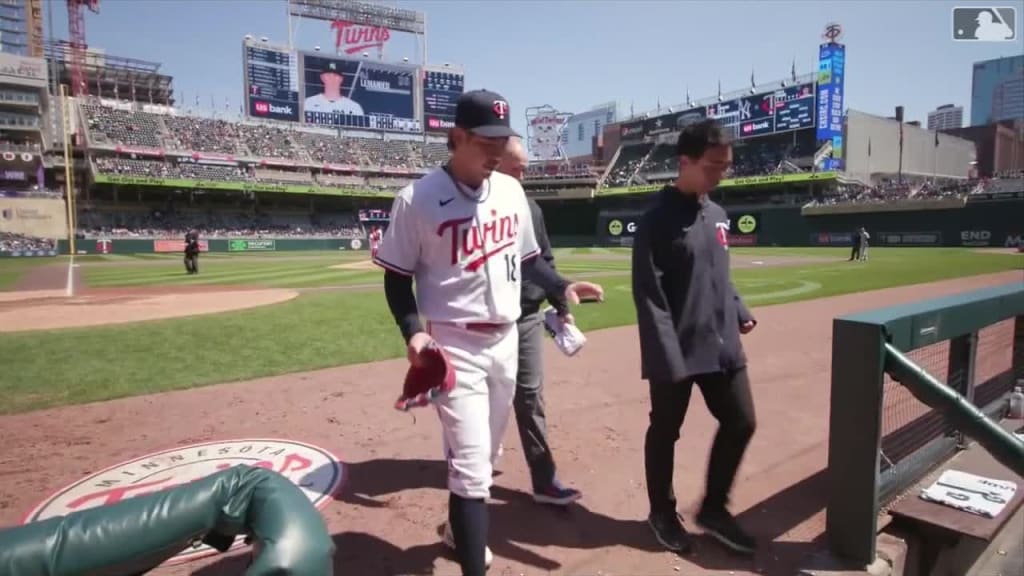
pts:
pixel 909 238
pixel 163 246
pixel 832 239
pixel 618 229
pixel 247 245
pixel 975 238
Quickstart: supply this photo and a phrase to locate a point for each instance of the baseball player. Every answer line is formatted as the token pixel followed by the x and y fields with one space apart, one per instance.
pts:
pixel 331 99
pixel 375 236
pixel 690 319
pixel 529 398
pixel 864 237
pixel 463 232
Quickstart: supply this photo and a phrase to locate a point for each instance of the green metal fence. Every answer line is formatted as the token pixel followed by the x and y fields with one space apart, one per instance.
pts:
pixel 908 382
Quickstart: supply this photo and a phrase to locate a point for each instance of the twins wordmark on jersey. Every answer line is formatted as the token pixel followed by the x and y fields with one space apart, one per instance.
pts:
pixel 473 245
pixel 465 253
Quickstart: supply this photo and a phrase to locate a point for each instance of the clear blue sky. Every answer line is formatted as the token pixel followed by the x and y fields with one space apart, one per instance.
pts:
pixel 576 54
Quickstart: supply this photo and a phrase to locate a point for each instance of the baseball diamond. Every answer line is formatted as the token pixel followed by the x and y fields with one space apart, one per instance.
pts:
pixel 282 355
pixel 766 326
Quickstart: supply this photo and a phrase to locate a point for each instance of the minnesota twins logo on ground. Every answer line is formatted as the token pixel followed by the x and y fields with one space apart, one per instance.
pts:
pixel 314 470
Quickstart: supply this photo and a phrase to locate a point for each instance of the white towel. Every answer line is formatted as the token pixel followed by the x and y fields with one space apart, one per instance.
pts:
pixel 567 337
pixel 971 493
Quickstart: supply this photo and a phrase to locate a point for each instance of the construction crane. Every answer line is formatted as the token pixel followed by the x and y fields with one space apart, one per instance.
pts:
pixel 76 30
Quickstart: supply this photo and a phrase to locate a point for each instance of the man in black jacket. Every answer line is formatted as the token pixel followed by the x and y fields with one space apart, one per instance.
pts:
pixel 690 320
pixel 529 398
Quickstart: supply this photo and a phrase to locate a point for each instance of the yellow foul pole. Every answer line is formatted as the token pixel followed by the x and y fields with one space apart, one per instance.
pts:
pixel 69 171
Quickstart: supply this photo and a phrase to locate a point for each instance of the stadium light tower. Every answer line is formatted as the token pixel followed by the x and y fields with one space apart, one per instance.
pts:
pixel 76 30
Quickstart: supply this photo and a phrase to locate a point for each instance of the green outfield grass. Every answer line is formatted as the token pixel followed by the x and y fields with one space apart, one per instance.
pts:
pixel 335 327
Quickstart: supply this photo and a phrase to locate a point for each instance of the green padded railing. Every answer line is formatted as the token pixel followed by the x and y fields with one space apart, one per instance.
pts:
pixel 134 536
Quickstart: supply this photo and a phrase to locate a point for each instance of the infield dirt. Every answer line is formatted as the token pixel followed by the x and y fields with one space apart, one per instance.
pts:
pixel 385 516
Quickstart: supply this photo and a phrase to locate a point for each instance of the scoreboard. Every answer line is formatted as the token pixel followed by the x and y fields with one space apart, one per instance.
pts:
pixel 441 90
pixel 783 110
pixel 271 83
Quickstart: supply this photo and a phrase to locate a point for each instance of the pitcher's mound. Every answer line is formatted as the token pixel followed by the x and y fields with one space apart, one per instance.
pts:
pixel 360 265
pixel 117 307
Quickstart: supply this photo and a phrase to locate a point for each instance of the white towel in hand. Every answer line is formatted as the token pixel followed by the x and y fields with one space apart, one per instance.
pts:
pixel 567 337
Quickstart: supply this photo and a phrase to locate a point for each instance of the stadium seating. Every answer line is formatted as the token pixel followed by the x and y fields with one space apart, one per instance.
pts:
pixel 645 163
pixel 203 134
pixel 122 127
pixel 324 158
pixel 146 221
pixel 10 242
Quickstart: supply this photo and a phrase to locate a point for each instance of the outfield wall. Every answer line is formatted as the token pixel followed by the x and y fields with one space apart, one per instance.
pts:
pixel 996 224
pixel 233 245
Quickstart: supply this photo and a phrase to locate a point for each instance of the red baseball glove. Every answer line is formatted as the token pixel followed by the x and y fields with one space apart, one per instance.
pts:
pixel 426 381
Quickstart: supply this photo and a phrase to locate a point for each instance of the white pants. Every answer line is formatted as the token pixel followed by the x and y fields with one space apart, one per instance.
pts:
pixel 475 413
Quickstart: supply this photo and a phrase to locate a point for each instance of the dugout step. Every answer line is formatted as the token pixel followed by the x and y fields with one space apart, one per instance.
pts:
pixel 948 540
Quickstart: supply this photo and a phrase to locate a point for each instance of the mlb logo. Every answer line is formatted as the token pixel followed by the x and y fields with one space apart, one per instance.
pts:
pixel 984 24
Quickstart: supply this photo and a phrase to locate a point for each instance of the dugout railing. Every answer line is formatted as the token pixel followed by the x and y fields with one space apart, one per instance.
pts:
pixel 908 382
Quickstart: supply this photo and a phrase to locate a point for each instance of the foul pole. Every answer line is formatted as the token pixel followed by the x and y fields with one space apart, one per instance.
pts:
pixel 69 182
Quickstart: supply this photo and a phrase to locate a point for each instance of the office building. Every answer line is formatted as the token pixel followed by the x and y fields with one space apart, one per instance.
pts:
pixel 946 117
pixel 997 90
pixel 21 27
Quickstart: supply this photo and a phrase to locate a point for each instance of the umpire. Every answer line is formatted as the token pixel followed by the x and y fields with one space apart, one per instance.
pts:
pixel 529 398
pixel 690 320
pixel 192 252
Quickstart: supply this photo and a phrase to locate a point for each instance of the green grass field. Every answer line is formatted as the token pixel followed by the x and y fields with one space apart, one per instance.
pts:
pixel 330 327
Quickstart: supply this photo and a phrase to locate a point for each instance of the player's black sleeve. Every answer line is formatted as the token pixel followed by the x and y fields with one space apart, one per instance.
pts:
pixel 402 302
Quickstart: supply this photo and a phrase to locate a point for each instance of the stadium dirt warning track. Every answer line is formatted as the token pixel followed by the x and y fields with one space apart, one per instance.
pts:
pixel 393 496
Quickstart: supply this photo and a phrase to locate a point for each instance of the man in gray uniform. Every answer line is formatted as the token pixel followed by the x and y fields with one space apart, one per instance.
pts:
pixel 529 398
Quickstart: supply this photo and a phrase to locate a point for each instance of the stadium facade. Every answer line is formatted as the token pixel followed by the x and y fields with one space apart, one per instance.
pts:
pixel 873 150
pixel 312 176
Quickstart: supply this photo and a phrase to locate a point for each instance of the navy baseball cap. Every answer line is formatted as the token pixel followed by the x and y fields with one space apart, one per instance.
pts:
pixel 484 113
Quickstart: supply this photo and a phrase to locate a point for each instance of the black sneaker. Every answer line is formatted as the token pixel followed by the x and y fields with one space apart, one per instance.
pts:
pixel 669 531
pixel 722 526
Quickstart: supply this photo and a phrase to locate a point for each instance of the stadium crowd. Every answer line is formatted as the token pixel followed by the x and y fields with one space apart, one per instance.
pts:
pixel 10 242
pixel 127 128
pixel 97 221
pixel 331 159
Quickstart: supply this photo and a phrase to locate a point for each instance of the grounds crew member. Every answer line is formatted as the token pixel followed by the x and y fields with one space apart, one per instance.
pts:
pixel 690 319
pixel 529 398
pixel 192 252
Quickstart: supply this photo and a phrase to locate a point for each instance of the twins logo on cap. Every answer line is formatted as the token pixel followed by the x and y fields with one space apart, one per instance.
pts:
pixel 500 109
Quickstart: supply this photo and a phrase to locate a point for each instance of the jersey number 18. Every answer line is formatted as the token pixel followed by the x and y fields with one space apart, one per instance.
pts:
pixel 510 267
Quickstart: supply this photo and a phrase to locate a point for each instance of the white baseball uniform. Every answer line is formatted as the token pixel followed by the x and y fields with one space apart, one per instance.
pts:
pixel 343 105
pixel 464 255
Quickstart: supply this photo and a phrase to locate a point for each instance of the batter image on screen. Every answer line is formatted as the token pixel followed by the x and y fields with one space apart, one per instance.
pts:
pixel 332 99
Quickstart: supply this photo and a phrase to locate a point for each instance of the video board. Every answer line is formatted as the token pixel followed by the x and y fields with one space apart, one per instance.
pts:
pixel 271 85
pixel 782 110
pixel 358 94
pixel 441 90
